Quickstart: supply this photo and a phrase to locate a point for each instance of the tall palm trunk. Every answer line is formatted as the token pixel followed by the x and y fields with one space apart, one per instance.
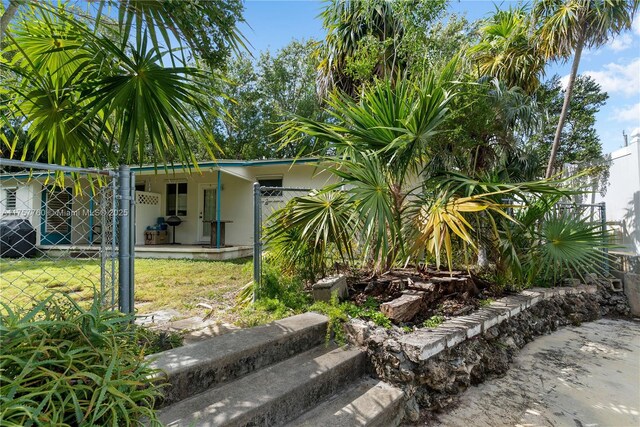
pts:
pixel 6 17
pixel 565 108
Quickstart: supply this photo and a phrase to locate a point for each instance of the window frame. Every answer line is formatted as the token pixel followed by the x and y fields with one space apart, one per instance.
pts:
pixel 176 209
pixel 271 193
pixel 7 191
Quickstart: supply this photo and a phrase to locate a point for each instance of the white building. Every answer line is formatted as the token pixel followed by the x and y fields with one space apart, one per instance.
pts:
pixel 623 196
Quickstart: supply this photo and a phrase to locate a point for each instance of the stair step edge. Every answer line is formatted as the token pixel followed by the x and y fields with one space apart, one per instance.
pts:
pixel 272 395
pixel 367 403
pixel 196 368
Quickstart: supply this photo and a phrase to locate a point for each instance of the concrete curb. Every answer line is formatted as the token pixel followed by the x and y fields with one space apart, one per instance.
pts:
pixel 425 343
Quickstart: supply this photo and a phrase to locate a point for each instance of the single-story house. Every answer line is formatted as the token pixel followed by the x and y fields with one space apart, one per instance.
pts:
pixel 220 191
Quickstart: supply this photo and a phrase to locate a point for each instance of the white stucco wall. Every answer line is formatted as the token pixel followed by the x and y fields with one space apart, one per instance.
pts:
pixel 27 201
pixel 623 195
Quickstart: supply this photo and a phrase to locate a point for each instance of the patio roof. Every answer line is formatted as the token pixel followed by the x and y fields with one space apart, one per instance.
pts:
pixel 224 164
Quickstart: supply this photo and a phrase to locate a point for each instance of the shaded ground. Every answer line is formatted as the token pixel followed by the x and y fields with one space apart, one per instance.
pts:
pixel 579 376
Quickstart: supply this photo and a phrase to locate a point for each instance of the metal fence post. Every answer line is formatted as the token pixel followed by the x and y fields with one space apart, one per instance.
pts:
pixel 257 239
pixel 605 251
pixel 132 240
pixel 124 243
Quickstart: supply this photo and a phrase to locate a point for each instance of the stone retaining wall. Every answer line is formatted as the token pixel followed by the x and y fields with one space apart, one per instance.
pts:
pixel 434 365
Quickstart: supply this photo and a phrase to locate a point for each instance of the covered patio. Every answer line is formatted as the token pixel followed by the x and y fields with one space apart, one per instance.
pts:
pixel 155 251
pixel 211 210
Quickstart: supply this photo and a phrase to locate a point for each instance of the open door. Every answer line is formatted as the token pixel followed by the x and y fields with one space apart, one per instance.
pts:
pixel 55 227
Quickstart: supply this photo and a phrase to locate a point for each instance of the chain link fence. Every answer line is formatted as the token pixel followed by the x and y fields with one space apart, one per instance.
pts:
pixel 67 230
pixel 266 201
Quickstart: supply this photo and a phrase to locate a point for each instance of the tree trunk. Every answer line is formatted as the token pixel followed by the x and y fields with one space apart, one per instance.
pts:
pixel 6 17
pixel 565 108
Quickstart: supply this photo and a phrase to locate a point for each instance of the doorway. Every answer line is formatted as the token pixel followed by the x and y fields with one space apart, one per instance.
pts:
pixel 207 197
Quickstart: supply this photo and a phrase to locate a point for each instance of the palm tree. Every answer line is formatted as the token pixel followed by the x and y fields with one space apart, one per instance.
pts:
pixel 94 91
pixel 507 51
pixel 380 143
pixel 349 24
pixel 566 27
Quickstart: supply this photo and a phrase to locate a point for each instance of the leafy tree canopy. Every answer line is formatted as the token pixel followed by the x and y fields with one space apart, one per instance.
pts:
pixel 110 84
pixel 580 141
pixel 370 39
pixel 262 94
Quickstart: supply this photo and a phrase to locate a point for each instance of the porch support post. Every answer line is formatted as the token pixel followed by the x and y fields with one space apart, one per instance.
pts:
pixel 257 249
pixel 218 209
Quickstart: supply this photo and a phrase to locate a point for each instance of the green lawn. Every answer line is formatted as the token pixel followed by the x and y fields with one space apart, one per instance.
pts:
pixel 159 284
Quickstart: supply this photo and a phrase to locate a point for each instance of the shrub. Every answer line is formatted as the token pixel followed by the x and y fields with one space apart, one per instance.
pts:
pixel 277 285
pixel 61 364
pixel 568 246
pixel 339 313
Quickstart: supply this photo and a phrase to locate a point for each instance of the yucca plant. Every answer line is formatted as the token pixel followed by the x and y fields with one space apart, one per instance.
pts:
pixel 447 216
pixel 63 365
pixel 454 206
pixel 379 203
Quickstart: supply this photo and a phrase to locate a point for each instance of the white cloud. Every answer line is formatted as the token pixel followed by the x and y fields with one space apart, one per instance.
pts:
pixel 635 25
pixel 628 113
pixel 564 81
pixel 619 79
pixel 621 42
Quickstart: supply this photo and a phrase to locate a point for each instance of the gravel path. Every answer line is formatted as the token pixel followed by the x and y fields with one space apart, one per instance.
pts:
pixel 578 376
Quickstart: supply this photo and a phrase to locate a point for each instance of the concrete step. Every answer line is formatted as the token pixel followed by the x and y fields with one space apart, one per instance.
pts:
pixel 368 402
pixel 273 395
pixel 198 367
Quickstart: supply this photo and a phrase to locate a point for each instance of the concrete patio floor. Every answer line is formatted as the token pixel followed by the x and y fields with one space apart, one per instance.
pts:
pixel 578 376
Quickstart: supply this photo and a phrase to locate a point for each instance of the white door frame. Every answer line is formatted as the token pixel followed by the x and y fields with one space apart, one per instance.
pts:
pixel 201 187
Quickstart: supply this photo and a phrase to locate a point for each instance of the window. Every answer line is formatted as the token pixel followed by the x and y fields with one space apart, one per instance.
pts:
pixel 177 199
pixel 10 199
pixel 271 182
pixel 141 186
pixel 58 211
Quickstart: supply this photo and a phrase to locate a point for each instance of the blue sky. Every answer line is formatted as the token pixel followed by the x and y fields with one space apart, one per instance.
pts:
pixel 616 66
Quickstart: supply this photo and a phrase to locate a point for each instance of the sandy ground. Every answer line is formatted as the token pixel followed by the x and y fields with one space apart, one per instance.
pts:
pixel 578 376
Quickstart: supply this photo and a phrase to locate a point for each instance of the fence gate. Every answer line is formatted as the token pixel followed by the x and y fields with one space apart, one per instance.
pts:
pixel 65 229
pixel 266 200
